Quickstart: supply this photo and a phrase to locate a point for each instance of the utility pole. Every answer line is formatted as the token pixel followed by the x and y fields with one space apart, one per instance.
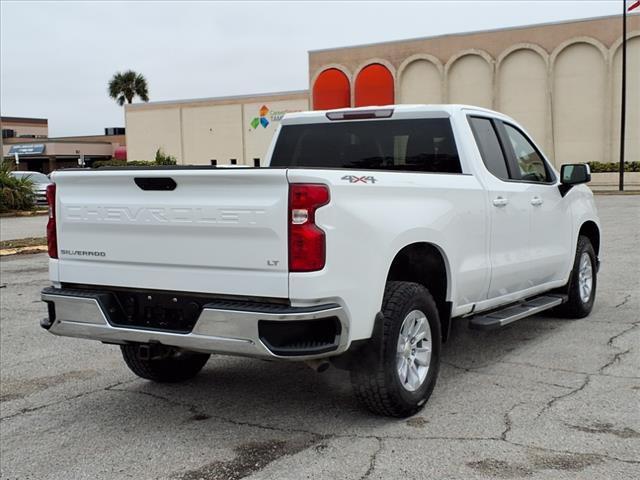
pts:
pixel 623 106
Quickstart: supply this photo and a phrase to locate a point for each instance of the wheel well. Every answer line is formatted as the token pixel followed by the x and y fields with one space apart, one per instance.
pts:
pixel 424 264
pixel 590 230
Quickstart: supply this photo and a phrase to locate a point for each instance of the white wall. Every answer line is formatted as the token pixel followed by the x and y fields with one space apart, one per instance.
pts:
pixel 579 95
pixel 470 81
pixel 212 132
pixel 522 87
pixel 148 130
pixel 632 130
pixel 196 133
pixel 420 82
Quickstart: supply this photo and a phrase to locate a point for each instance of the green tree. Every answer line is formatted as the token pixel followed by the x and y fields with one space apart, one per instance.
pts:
pixel 124 86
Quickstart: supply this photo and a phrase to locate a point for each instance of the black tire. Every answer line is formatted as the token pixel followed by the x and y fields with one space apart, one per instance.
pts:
pixel 576 307
pixel 171 366
pixel 374 376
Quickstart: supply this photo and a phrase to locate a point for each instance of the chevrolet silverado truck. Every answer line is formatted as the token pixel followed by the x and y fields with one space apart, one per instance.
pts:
pixel 369 233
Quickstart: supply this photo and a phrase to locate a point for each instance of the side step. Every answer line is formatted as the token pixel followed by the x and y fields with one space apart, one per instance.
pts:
pixel 514 312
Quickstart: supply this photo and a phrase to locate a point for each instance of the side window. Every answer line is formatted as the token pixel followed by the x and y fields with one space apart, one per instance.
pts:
pixel 530 164
pixel 489 145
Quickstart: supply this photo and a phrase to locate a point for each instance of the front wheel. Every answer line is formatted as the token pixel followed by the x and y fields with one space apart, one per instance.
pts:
pixel 581 289
pixel 162 364
pixel 397 372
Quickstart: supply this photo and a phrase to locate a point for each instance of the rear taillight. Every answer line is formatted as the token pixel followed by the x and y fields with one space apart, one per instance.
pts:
pixel 307 243
pixel 52 237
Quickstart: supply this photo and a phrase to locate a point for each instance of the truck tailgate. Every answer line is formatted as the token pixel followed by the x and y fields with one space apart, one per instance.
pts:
pixel 217 231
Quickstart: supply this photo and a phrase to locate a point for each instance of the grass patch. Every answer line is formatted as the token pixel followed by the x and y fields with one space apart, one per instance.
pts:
pixel 24 242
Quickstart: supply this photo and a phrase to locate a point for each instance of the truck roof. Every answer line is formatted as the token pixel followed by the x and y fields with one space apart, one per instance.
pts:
pixel 404 111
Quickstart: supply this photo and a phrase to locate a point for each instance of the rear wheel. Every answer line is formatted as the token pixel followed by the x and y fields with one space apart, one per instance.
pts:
pixel 582 284
pixel 160 363
pixel 397 372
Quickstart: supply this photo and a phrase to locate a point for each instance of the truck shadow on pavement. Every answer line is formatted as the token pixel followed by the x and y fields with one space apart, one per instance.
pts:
pixel 291 396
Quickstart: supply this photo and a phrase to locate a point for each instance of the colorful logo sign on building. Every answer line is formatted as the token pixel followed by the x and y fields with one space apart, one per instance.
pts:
pixel 267 116
pixel 262 119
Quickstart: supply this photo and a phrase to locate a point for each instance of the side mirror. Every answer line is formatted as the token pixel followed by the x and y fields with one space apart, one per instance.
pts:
pixel 573 174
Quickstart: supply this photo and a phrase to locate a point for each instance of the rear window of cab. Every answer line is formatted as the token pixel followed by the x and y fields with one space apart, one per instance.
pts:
pixel 415 145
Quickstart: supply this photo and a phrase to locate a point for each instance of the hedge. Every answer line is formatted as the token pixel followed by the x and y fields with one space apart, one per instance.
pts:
pixel 122 163
pixel 605 167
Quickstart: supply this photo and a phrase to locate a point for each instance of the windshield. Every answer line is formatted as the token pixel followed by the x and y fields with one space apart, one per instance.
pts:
pixel 418 145
pixel 35 177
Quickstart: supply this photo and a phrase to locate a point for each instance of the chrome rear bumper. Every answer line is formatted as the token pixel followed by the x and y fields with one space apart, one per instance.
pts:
pixel 225 328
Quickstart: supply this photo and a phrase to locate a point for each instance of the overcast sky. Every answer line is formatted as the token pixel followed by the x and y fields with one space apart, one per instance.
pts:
pixel 57 57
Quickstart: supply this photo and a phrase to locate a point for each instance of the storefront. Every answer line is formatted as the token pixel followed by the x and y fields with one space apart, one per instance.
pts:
pixel 46 156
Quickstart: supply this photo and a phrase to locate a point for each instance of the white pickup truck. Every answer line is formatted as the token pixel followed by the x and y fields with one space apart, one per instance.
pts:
pixel 371 230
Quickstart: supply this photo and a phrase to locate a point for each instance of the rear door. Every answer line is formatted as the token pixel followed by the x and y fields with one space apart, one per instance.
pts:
pixel 509 209
pixel 192 230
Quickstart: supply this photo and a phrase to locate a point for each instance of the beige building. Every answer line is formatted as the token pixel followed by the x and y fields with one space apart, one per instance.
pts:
pixel 209 131
pixel 561 81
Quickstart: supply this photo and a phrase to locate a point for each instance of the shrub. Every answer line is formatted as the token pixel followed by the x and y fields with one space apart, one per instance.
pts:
pixel 161 159
pixel 164 159
pixel 608 167
pixel 122 163
pixel 15 193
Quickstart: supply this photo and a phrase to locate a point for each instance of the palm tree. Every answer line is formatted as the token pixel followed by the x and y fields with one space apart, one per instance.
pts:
pixel 126 85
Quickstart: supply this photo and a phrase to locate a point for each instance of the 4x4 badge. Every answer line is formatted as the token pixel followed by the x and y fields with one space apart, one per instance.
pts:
pixel 354 179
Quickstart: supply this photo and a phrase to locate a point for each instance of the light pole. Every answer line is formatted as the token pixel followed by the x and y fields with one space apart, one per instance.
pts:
pixel 623 106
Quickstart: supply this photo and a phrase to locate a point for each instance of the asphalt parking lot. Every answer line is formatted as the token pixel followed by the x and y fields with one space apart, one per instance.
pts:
pixel 543 398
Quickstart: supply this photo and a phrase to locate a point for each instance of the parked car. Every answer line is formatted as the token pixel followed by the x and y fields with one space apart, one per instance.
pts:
pixel 40 183
pixel 372 230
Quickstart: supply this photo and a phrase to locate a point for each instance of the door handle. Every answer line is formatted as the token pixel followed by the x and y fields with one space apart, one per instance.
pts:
pixel 500 202
pixel 536 201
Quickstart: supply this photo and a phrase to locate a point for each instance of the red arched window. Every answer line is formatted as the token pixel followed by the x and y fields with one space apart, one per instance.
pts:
pixel 331 90
pixel 374 86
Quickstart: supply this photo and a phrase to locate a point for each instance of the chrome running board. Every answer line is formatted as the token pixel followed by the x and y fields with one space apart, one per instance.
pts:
pixel 514 312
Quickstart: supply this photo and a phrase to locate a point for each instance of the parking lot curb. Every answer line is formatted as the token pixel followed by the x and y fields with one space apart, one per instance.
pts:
pixel 23 250
pixel 616 192
pixel 30 213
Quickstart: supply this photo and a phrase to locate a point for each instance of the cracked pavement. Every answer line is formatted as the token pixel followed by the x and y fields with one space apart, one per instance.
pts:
pixel 542 398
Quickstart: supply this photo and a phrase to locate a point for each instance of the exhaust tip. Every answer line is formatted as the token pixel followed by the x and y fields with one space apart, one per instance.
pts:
pixel 318 365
